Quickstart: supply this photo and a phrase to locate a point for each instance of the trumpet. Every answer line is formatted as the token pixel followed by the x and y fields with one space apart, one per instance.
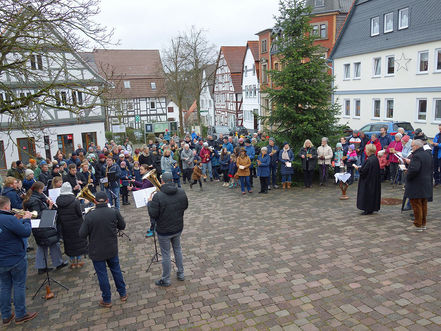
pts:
pixel 21 212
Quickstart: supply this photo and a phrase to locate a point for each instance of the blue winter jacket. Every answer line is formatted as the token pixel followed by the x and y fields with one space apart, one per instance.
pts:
pixel 284 170
pixel 437 139
pixel 263 169
pixel 275 157
pixel 176 172
pixel 16 201
pixel 385 141
pixel 229 147
pixel 224 162
pixel 125 177
pixel 215 159
pixel 27 183
pixel 251 152
pixel 117 170
pixel 12 232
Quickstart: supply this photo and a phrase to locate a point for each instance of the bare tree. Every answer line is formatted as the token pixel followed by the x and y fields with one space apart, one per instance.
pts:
pixel 200 55
pixel 38 68
pixel 175 62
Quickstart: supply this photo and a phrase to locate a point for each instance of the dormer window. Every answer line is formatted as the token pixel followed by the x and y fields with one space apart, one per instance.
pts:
pixel 319 3
pixel 127 84
pixel 403 18
pixel 153 85
pixel 375 26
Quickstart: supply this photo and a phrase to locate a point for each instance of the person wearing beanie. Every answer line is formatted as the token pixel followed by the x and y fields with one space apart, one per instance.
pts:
pixel 70 218
pixel 29 179
pixel 19 171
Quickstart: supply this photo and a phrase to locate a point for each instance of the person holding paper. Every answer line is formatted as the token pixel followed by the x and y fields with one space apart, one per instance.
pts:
pixel 308 154
pixel 394 147
pixel 286 156
pixel 13 264
pixel 243 163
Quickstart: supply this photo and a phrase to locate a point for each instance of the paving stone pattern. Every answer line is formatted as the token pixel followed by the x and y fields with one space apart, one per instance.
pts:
pixel 289 260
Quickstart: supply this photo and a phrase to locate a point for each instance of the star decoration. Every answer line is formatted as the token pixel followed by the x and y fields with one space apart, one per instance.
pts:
pixel 402 62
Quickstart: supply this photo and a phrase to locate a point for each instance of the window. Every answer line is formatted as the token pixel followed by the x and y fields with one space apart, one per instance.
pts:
pixel 2 156
pixel 357 108
pixel 403 18
pixel 390 60
pixel 437 110
pixel 375 26
pixel 276 66
pixel 323 31
pixel 77 98
pixel 347 107
pixel 153 85
pixel 390 108
pixel 245 71
pixel 64 98
pixel 254 90
pixel 357 70
pixel 438 60
pixel 254 70
pixel 319 3
pixel 127 84
pixel 152 105
pixel 377 108
pixel 264 48
pixel 423 62
pixel 377 66
pixel 347 71
pixel 264 74
pixel 388 22
pixel 315 30
pixel 170 109
pixel 422 109
pixel 37 62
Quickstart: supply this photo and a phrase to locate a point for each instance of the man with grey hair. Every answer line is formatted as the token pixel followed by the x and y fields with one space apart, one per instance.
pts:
pixel 167 207
pixel 419 187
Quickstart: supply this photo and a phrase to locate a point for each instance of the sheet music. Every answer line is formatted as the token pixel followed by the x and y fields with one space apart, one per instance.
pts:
pixel 141 197
pixel 54 193
pixel 35 223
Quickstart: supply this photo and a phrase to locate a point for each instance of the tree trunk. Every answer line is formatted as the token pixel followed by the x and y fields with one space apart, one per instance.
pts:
pixel 198 109
pixel 181 119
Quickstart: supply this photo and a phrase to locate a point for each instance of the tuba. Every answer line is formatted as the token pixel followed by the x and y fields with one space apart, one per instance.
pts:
pixel 151 176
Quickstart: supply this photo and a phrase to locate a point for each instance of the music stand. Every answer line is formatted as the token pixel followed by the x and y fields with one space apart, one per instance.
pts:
pixel 47 220
pixel 156 255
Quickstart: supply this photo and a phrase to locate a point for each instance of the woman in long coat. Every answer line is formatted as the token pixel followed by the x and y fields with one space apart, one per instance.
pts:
pixel 70 218
pixel 308 154
pixel 286 156
pixel 369 184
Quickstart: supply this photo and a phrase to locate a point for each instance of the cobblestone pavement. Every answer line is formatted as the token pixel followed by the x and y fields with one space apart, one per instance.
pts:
pixel 293 260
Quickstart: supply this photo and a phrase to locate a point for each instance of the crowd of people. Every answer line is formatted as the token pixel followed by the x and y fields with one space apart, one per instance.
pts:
pixel 112 171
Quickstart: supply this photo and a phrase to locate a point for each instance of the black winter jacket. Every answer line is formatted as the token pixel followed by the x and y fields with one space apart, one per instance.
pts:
pixel 167 208
pixel 419 180
pixel 70 218
pixel 101 227
pixel 43 236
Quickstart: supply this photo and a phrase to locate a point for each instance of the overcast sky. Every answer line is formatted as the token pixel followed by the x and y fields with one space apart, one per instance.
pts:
pixel 149 24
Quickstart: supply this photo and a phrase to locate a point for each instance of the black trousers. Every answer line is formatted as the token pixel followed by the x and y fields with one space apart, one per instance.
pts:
pixel 225 174
pixel 195 181
pixel 264 181
pixel 186 174
pixel 307 177
pixel 124 194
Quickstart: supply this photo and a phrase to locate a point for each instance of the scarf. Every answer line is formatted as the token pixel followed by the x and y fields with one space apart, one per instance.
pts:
pixel 285 155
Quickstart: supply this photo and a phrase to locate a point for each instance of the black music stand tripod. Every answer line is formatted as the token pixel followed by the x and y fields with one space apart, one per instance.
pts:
pixel 156 255
pixel 47 282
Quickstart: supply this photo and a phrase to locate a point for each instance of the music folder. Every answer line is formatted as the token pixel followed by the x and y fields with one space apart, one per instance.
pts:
pixel 47 219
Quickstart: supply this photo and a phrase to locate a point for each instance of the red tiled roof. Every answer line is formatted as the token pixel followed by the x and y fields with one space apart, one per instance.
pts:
pixel 234 56
pixel 140 67
pixel 253 45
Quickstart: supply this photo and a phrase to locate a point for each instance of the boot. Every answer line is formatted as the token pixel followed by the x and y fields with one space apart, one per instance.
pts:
pixel 283 186
pixel 288 185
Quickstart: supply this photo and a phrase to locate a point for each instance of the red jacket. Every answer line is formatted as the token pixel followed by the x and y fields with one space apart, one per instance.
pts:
pixel 377 145
pixel 205 155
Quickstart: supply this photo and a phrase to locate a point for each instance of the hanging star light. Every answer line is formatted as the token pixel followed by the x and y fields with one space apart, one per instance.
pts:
pixel 402 62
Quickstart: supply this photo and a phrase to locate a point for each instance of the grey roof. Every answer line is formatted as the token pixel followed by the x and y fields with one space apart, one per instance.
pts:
pixel 355 37
pixel 341 6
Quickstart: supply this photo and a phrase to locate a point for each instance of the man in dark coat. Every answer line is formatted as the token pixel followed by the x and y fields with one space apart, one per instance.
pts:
pixel 369 185
pixel 74 178
pixel 101 227
pixel 419 188
pixel 167 208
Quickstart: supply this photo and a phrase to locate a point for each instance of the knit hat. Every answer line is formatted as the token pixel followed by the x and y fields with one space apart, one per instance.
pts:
pixel 405 139
pixel 102 156
pixel 241 140
pixel 121 155
pixel 352 146
pixel 65 189
pixel 272 139
pixel 338 145
pixel 248 141
pixel 43 162
pixel 28 172
pixel 101 197
pixel 205 144
pixel 32 161
pixel 167 177
pixel 18 163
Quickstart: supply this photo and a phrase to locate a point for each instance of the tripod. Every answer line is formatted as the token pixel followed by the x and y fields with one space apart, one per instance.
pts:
pixel 156 255
pixel 47 282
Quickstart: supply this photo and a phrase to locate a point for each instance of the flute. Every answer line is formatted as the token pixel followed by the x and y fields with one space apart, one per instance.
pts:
pixel 50 200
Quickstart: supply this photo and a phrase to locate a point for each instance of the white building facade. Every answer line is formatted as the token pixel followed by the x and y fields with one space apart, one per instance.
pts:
pixel 206 100
pixel 251 89
pixel 387 83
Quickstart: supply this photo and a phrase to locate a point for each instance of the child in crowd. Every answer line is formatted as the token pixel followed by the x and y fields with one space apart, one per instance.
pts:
pixel 338 158
pixel 29 179
pixel 233 168
pixel 350 161
pixel 125 181
pixel 137 172
pixel 215 164
pixel 197 174
pixel 176 172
